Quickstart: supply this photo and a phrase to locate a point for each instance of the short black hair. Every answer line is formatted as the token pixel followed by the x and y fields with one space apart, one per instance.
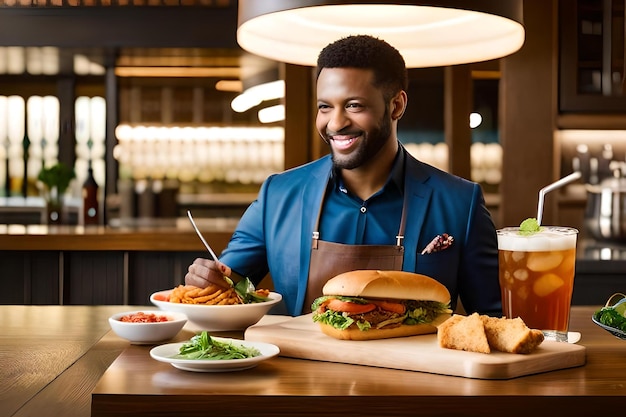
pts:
pixel 367 52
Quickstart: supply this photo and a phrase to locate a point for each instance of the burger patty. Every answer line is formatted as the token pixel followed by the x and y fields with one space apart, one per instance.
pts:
pixel 377 316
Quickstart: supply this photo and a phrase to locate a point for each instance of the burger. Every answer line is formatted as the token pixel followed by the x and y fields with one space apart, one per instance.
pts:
pixel 370 304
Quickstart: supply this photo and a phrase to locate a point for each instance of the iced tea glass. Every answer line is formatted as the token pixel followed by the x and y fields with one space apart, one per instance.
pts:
pixel 537 277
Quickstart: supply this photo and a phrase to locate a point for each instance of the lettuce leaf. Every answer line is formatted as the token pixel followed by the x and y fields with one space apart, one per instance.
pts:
pixel 424 312
pixel 318 301
pixel 335 319
pixel 418 312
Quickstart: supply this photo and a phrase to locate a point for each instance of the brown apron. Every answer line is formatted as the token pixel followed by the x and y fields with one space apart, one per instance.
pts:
pixel 329 259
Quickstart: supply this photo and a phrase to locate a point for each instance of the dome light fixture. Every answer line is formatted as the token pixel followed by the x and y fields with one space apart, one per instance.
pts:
pixel 427 33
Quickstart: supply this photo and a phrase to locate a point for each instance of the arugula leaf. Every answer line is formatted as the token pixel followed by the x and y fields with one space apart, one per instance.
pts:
pixel 247 292
pixel 203 346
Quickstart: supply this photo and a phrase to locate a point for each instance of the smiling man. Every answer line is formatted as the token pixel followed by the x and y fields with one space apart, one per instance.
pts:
pixel 367 205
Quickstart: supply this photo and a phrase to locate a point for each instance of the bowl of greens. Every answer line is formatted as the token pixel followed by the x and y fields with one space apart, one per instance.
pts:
pixel 205 353
pixel 612 317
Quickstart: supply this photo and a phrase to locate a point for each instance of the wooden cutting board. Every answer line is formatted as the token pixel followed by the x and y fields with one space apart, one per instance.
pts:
pixel 299 337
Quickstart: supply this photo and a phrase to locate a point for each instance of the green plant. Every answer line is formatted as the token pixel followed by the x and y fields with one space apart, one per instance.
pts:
pixel 58 175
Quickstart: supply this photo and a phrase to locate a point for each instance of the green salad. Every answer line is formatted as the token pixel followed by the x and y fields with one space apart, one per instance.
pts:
pixel 612 316
pixel 204 347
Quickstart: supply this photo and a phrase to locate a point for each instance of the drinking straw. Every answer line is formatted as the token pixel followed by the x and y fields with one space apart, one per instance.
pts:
pixel 557 184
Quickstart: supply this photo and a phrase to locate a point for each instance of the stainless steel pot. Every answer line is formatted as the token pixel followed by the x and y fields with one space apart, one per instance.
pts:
pixel 605 214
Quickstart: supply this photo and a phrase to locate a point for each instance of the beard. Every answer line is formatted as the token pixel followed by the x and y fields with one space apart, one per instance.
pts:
pixel 371 143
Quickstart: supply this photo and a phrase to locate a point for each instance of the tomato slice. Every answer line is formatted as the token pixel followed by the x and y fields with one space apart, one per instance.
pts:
pixel 390 306
pixel 348 307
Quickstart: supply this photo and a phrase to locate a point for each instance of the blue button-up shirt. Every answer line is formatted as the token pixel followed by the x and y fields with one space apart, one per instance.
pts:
pixel 349 220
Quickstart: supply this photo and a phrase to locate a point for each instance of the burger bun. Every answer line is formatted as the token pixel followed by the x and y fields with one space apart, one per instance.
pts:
pixel 399 285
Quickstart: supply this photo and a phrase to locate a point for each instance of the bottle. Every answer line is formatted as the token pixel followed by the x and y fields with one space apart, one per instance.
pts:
pixel 90 199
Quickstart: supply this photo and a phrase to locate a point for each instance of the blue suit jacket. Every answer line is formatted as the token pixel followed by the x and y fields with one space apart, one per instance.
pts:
pixel 274 234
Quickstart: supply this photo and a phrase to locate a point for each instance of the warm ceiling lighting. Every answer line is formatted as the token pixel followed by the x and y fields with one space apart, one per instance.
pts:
pixel 233 86
pixel 427 33
pixel 272 114
pixel 486 74
pixel 257 94
pixel 231 72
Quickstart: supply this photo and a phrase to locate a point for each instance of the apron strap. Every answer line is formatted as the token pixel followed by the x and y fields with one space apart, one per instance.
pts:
pixel 400 236
pixel 316 233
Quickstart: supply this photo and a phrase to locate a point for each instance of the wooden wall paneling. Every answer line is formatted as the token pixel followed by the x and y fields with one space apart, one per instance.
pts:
pixel 300 141
pixel 94 278
pixel 528 107
pixel 29 277
pixel 148 272
pixel 156 271
pixel 182 260
pixel 458 103
pixel 44 277
pixel 13 265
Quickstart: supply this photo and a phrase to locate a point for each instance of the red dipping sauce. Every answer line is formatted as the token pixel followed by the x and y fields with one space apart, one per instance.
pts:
pixel 143 318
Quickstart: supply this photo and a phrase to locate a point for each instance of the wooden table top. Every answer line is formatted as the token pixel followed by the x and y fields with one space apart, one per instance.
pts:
pixel 287 387
pixel 74 365
pixel 52 356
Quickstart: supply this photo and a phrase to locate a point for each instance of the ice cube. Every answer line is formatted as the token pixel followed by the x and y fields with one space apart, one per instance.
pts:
pixel 518 256
pixel 547 284
pixel 521 274
pixel 542 261
pixel 522 292
pixel 508 278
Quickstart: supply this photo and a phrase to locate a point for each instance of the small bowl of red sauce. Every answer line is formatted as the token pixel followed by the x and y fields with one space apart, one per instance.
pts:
pixel 147 326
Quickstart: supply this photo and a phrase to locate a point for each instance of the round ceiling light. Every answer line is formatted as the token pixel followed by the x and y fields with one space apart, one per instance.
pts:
pixel 435 33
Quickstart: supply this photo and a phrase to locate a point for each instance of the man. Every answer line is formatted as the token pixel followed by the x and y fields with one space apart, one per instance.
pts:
pixel 367 205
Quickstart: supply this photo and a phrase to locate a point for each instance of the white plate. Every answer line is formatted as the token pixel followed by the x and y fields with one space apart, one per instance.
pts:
pixel 166 353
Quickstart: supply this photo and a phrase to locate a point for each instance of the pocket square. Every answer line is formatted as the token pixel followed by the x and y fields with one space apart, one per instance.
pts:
pixel 439 243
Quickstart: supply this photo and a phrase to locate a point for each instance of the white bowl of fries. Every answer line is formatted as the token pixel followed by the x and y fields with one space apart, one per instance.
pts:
pixel 215 317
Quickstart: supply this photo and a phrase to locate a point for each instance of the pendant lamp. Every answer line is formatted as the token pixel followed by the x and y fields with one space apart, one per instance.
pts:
pixel 427 33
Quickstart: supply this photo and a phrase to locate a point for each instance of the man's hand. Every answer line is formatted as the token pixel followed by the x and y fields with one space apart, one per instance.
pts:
pixel 204 271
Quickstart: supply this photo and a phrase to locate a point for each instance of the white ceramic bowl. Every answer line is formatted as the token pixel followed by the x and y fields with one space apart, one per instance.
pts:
pixel 218 318
pixel 147 333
